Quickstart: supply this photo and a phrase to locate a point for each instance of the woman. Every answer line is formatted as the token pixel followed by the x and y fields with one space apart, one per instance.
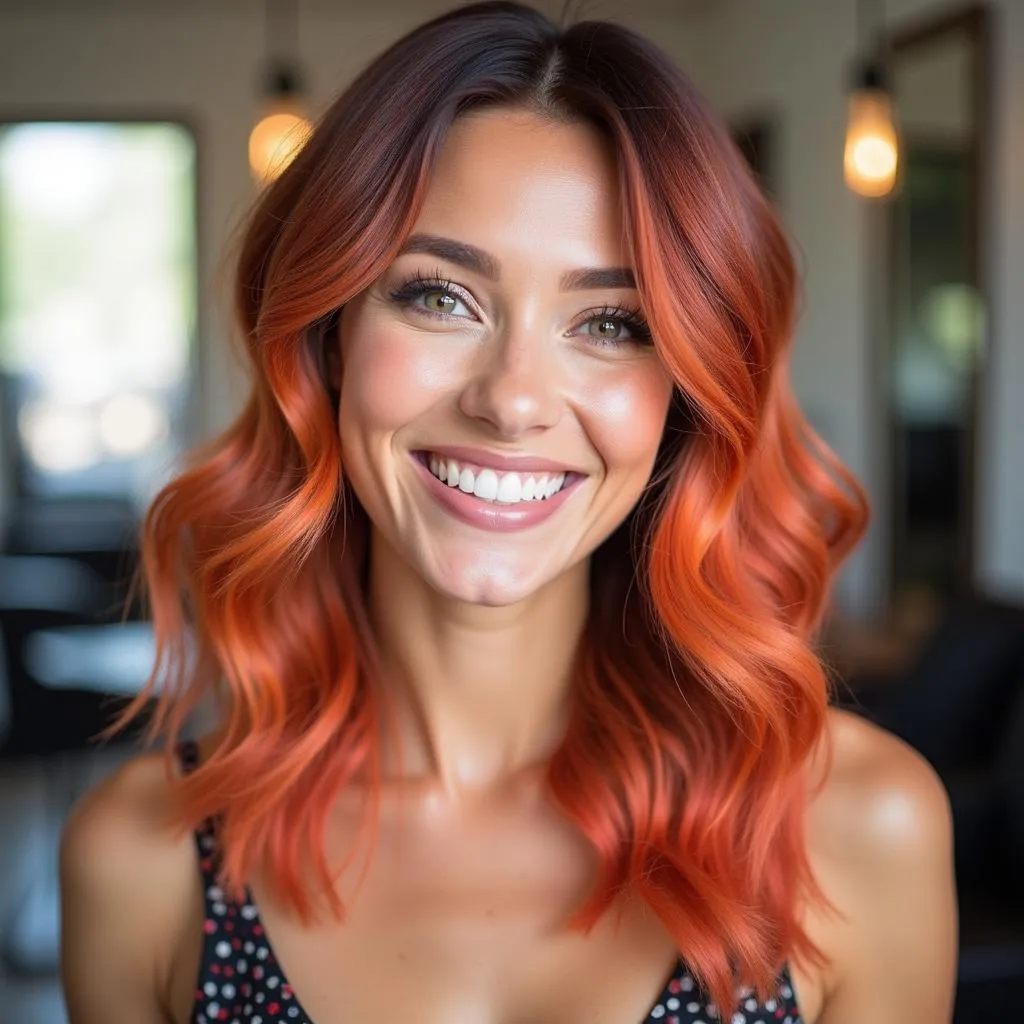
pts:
pixel 506 579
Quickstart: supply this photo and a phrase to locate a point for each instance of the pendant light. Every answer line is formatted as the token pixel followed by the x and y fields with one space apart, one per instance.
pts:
pixel 871 156
pixel 283 126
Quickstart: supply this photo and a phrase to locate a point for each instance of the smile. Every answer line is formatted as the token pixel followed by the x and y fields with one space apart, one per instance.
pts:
pixel 493 498
pixel 500 486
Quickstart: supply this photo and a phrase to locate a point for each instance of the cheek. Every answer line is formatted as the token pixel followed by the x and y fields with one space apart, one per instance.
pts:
pixel 626 418
pixel 388 377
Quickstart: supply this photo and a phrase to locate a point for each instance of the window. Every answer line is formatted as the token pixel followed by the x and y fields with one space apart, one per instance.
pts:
pixel 97 305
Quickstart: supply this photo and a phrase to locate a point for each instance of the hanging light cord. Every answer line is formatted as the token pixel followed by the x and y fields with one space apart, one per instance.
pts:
pixel 281 44
pixel 870 28
pixel 871 43
pixel 281 32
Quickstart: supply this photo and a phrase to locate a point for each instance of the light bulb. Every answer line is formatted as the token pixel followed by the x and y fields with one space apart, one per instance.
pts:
pixel 872 150
pixel 277 138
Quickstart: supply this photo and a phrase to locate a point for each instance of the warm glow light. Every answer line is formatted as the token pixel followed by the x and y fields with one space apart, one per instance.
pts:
pixel 276 139
pixel 872 150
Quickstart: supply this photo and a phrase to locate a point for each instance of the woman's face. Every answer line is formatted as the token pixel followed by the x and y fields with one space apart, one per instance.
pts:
pixel 501 406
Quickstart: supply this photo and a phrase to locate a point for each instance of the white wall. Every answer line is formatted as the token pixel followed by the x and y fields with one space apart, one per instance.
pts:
pixel 792 58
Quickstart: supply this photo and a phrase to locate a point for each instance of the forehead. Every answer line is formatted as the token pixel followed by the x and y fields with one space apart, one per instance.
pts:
pixel 521 185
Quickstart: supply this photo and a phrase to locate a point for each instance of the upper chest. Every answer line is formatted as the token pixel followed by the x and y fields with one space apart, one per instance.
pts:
pixel 463 919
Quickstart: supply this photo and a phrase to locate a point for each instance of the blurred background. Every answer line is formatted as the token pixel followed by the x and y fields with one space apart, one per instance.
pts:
pixel 890 136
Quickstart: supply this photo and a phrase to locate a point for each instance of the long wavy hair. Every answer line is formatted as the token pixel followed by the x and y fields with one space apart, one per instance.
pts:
pixel 698 698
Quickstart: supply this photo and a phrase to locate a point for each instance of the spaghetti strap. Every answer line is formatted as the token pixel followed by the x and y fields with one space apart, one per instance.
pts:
pixel 205 833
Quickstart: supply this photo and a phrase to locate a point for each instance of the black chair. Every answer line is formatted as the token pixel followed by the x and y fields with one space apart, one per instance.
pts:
pixel 45 593
pixel 52 609
pixel 961 705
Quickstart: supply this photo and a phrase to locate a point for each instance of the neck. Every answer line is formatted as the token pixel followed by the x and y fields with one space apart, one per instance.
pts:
pixel 477 694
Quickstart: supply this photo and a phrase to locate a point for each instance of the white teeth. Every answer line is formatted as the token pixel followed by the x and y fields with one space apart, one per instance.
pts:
pixel 486 486
pixel 510 489
pixel 489 485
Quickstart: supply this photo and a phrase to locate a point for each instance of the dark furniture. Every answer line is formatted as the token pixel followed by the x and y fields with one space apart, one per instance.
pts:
pixel 66 669
pixel 961 705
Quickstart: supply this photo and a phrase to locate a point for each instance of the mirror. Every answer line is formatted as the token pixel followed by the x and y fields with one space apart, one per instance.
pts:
pixel 935 344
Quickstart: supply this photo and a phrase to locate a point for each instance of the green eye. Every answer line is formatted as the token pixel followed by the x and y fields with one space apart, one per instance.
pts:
pixel 606 328
pixel 440 301
pixel 615 327
pixel 434 296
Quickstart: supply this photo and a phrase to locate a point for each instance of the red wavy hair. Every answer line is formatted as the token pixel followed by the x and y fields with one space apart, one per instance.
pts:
pixel 699 698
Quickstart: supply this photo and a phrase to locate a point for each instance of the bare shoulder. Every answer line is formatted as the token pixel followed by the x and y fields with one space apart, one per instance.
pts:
pixel 129 891
pixel 880 837
pixel 882 800
pixel 116 839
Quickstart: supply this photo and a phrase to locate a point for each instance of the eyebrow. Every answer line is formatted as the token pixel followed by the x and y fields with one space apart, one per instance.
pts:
pixel 483 263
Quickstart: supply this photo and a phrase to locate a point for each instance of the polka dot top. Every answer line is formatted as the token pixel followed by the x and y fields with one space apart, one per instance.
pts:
pixel 241 982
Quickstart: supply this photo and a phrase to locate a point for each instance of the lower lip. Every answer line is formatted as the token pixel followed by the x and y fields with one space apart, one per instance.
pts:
pixel 485 514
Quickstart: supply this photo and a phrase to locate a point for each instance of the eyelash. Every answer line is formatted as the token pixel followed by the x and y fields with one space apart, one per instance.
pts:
pixel 419 284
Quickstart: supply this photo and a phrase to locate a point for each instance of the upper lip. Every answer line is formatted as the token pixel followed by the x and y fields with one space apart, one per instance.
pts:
pixel 508 461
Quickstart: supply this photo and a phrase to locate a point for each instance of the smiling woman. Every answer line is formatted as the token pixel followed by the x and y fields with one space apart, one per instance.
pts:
pixel 511 567
pixel 515 364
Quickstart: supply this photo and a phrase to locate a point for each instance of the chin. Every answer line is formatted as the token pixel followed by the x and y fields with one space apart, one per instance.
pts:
pixel 486 583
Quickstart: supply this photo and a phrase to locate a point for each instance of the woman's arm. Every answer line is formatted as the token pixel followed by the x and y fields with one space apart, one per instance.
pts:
pixel 125 889
pixel 891 870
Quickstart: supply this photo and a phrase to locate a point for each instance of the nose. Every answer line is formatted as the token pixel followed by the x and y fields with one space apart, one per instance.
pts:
pixel 514 388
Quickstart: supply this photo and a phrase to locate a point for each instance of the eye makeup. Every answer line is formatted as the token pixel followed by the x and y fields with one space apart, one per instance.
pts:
pixel 418 285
